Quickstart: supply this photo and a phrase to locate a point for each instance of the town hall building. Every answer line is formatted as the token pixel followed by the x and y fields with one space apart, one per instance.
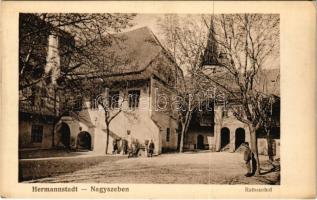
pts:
pixel 134 87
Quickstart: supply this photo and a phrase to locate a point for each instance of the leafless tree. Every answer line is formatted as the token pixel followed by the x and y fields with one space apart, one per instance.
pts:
pixel 185 37
pixel 112 104
pixel 246 45
pixel 79 33
pixel 249 43
pixel 83 40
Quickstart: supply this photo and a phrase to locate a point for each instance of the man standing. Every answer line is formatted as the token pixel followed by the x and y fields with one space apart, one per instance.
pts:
pixel 115 146
pixel 125 146
pixel 247 156
pixel 151 148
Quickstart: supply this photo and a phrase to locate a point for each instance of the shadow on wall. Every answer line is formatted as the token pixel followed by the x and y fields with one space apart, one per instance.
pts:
pixel 224 138
pixel 84 140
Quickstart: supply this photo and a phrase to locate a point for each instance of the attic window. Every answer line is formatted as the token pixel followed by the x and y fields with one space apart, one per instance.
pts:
pixel 114 99
pixel 78 103
pixel 134 98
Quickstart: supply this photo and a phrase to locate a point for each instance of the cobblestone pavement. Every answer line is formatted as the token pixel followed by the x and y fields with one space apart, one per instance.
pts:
pixel 186 168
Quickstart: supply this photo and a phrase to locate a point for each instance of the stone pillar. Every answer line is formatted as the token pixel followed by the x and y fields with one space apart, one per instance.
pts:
pixel 232 139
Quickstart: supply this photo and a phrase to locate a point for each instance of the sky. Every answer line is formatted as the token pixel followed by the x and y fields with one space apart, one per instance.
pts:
pixel 149 20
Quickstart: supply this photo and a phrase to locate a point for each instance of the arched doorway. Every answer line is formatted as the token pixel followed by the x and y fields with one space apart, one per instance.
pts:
pixel 65 134
pixel 200 142
pixel 240 137
pixel 225 137
pixel 84 140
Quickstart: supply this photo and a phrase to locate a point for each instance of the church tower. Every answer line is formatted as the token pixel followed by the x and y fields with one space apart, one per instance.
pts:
pixel 210 55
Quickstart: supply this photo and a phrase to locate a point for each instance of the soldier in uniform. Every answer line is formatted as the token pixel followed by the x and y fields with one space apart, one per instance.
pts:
pixel 247 156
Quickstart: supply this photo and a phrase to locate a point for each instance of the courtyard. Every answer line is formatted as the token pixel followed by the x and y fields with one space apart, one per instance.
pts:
pixel 186 168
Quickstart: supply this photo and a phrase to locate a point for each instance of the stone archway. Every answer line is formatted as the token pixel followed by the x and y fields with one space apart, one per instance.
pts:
pixel 65 134
pixel 225 137
pixel 84 140
pixel 200 142
pixel 239 137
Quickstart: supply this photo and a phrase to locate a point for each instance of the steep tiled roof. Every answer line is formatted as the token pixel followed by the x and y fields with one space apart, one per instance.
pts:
pixel 129 52
pixel 266 80
pixel 139 46
pixel 132 55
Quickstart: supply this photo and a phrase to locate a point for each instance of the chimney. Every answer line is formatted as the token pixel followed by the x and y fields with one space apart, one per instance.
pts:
pixel 53 58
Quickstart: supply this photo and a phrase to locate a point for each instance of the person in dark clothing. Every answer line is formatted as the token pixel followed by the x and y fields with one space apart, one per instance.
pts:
pixel 125 146
pixel 151 148
pixel 247 156
pixel 253 164
pixel 130 150
pixel 115 146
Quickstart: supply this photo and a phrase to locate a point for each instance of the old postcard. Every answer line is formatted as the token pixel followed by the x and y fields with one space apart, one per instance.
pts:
pixel 158 99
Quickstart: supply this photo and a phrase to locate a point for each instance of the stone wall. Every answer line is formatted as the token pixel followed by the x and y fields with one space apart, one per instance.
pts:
pixel 191 139
pixel 163 115
pixel 25 129
pixel 227 120
pixel 262 146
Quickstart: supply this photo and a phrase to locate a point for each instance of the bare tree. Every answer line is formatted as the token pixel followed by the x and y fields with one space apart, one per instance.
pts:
pixel 249 43
pixel 112 105
pixel 246 45
pixel 82 41
pixel 185 37
pixel 78 31
pixel 188 102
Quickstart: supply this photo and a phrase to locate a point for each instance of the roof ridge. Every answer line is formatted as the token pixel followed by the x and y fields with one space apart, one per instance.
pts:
pixel 133 30
pixel 169 54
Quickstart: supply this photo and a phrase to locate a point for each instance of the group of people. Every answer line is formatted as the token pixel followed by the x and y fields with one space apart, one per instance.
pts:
pixel 120 146
pixel 132 149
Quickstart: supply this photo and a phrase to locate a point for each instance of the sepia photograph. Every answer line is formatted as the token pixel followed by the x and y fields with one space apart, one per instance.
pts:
pixel 158 99
pixel 149 98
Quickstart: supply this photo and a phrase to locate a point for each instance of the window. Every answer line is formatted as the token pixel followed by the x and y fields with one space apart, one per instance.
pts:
pixel 78 104
pixel 43 92
pixel 168 134
pixel 34 91
pixel 26 92
pixel 225 113
pixel 93 104
pixel 114 99
pixel 43 102
pixel 32 100
pixel 206 120
pixel 37 133
pixel 134 98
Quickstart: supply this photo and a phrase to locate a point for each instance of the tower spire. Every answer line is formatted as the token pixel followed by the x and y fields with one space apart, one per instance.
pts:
pixel 211 53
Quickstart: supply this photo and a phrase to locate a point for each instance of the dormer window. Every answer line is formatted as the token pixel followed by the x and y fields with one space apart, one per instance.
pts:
pixel 78 103
pixel 114 99
pixel 134 98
